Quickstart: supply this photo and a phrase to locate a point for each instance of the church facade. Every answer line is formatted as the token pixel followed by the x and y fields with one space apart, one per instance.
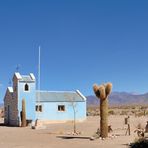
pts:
pixel 47 106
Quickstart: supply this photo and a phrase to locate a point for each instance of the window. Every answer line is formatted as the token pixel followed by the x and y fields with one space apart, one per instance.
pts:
pixel 38 108
pixel 61 108
pixel 26 87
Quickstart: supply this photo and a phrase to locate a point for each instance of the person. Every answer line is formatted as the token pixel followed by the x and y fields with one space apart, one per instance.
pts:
pixel 146 128
pixel 127 121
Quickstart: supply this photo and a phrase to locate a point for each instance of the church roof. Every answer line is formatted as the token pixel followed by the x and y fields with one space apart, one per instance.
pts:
pixel 25 78
pixel 18 75
pixel 59 96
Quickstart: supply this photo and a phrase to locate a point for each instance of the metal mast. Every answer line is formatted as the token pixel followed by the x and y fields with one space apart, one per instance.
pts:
pixel 39 75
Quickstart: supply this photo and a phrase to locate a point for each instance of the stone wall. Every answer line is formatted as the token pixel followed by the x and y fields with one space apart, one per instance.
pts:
pixel 11 106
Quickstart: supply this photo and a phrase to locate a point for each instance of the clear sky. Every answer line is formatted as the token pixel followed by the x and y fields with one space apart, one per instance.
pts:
pixel 82 42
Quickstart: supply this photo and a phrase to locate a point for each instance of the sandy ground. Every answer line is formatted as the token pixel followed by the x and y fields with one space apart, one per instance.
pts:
pixel 15 137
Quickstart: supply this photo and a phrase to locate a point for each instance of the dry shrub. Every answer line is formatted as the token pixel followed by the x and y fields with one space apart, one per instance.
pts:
pixel 140 114
pixel 140 143
pixel 123 112
pixel 111 112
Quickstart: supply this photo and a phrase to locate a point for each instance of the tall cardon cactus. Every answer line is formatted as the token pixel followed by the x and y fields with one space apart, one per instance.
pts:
pixel 23 113
pixel 103 92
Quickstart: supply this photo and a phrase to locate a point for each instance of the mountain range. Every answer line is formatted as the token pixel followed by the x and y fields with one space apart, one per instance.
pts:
pixel 121 98
pixel 118 98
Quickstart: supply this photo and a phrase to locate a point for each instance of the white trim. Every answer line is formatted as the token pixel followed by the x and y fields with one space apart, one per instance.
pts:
pixel 80 94
pixel 32 76
pixel 10 89
pixel 18 75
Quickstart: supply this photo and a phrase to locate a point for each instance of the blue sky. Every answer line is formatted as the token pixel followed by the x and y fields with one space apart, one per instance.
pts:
pixel 82 42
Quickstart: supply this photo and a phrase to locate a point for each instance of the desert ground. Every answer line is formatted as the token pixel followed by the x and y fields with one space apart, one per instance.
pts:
pixel 18 137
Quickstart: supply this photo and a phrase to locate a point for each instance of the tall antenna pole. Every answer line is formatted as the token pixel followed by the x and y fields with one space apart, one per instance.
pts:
pixel 39 75
pixel 39 72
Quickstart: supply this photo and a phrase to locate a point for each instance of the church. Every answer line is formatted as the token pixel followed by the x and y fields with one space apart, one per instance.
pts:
pixel 46 106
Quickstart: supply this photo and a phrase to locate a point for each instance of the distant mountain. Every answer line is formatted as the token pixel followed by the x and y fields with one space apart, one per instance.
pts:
pixel 121 98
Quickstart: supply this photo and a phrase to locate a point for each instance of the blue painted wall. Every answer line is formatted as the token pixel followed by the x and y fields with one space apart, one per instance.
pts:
pixel 50 111
pixel 29 97
pixel 49 101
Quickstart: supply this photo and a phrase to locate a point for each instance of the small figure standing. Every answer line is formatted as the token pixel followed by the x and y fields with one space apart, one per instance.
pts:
pixel 127 121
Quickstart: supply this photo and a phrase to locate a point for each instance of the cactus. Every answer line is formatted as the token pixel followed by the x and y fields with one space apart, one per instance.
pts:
pixel 103 92
pixel 108 89
pixel 96 90
pixel 23 113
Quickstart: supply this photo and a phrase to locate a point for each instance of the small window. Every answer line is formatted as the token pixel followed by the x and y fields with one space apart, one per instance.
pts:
pixel 61 108
pixel 26 87
pixel 38 108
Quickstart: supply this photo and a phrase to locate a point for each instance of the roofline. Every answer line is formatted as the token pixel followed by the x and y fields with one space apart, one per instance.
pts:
pixel 55 91
pixel 9 89
pixel 31 81
pixel 81 95
pixel 17 75
pixel 58 101
pixel 32 76
pixel 75 92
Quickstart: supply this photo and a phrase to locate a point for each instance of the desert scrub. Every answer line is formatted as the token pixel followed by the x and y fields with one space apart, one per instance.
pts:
pixel 140 143
pixel 111 112
pixel 123 112
pixel 146 113
pixel 140 114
